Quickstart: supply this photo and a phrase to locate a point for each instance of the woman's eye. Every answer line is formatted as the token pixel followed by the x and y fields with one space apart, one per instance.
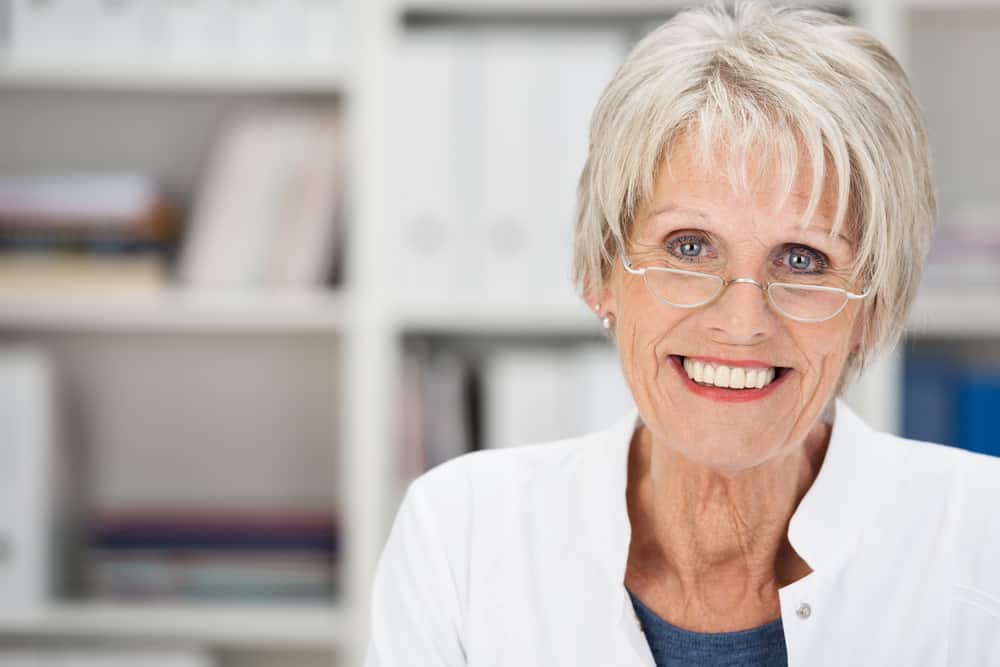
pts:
pixel 806 260
pixel 688 246
pixel 799 260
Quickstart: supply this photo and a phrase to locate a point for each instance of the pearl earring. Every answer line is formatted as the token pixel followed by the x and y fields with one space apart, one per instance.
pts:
pixel 608 321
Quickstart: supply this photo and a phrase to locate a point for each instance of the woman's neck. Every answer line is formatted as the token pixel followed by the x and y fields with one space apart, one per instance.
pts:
pixel 709 551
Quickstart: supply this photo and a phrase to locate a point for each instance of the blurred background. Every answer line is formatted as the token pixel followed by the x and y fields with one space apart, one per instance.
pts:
pixel 263 262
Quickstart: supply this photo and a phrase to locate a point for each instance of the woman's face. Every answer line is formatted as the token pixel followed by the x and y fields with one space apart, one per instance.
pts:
pixel 696 221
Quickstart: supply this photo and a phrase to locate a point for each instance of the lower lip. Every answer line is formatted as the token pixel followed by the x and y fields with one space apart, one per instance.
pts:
pixel 727 395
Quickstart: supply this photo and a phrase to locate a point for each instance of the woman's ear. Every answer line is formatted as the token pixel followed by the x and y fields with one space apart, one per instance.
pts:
pixel 858 330
pixel 597 298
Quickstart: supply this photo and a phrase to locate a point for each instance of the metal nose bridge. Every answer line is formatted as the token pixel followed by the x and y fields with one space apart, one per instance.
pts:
pixel 747 281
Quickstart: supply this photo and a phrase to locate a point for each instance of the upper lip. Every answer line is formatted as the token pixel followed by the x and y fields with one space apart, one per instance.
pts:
pixel 738 363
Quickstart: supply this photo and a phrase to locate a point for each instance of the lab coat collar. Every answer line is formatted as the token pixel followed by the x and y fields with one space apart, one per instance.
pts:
pixel 823 529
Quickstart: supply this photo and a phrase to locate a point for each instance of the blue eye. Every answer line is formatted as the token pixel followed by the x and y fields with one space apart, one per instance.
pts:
pixel 802 259
pixel 688 247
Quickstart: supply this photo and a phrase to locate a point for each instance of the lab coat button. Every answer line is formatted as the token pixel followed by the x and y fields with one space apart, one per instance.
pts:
pixel 804 611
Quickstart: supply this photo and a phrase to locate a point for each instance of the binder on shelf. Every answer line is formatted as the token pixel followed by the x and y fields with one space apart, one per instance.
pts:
pixel 447 426
pixel 432 257
pixel 539 89
pixel 493 133
pixel 533 395
pixel 27 475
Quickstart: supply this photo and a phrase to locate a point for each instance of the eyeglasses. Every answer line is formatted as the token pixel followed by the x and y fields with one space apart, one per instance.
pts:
pixel 691 289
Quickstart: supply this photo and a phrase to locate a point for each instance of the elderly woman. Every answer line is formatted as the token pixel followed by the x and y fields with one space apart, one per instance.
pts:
pixel 753 217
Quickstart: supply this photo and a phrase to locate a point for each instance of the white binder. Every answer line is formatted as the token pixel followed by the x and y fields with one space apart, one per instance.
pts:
pixel 540 90
pixel 27 434
pixel 431 257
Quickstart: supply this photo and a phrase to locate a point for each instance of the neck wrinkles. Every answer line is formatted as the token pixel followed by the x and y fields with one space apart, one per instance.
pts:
pixel 708 542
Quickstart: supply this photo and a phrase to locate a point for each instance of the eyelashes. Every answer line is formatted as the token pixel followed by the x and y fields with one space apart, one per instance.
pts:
pixel 822 263
pixel 695 247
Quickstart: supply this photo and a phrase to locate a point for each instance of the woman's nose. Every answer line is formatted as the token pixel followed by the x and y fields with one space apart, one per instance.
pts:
pixel 741 315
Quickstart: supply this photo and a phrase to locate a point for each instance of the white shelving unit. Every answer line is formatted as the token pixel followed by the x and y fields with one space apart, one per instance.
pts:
pixel 215 624
pixel 118 75
pixel 301 335
pixel 364 317
pixel 178 310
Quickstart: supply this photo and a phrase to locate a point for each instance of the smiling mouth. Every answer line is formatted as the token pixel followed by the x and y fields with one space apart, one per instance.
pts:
pixel 740 378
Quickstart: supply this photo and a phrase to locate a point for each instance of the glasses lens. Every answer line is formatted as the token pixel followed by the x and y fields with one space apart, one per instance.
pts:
pixel 682 288
pixel 807 302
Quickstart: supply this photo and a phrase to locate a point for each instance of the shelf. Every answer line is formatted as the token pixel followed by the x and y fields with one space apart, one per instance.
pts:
pixel 231 625
pixel 957 312
pixel 176 309
pixel 485 318
pixel 569 8
pixel 640 8
pixel 951 5
pixel 161 77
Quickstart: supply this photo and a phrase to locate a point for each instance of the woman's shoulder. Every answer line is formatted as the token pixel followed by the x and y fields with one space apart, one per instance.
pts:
pixel 962 470
pixel 952 492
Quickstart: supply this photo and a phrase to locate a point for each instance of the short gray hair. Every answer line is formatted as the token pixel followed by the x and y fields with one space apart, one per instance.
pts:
pixel 789 81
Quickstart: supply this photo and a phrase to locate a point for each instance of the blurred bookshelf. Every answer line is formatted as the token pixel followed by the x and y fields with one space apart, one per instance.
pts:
pixel 171 269
pixel 439 309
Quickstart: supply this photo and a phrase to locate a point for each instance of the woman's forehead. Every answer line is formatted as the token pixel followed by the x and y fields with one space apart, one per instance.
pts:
pixel 688 187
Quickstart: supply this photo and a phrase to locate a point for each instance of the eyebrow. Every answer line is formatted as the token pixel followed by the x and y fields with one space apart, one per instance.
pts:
pixel 674 208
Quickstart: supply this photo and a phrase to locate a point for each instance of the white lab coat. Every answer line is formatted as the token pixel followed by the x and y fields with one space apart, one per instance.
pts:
pixel 516 558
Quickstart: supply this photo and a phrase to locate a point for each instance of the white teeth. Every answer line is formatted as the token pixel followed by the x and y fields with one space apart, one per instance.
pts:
pixel 737 378
pixel 722 376
pixel 728 377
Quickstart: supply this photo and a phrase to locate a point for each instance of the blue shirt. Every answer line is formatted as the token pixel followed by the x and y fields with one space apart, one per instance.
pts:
pixel 763 646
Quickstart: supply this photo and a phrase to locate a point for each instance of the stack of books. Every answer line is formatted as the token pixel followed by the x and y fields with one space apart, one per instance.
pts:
pixel 84 230
pixel 221 556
